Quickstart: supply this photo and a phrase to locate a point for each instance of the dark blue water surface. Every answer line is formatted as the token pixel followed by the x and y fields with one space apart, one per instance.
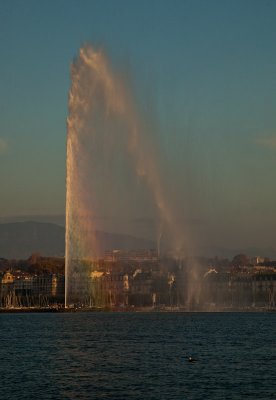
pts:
pixel 138 356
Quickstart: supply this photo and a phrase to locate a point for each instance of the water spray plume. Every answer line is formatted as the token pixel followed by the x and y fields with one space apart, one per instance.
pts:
pixel 103 116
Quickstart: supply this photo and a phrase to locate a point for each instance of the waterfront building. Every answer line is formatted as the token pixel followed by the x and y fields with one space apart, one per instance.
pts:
pixel 253 288
pixel 21 289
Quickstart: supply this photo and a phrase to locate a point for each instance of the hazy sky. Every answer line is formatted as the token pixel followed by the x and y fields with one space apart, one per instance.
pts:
pixel 207 68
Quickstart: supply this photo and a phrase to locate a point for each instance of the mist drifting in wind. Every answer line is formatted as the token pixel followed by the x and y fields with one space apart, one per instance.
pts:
pixel 113 165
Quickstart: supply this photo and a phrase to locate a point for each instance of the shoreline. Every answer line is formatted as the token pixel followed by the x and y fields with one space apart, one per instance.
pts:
pixel 28 310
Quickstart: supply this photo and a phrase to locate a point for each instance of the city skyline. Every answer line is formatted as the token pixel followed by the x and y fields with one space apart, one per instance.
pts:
pixel 203 73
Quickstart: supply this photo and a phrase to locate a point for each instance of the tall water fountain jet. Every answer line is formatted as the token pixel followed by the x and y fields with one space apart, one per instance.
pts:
pixel 102 118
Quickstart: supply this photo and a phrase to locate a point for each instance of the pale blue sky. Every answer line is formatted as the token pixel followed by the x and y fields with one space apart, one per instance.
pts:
pixel 210 67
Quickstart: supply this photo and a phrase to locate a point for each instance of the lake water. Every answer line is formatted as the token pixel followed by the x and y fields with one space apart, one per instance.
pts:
pixel 138 356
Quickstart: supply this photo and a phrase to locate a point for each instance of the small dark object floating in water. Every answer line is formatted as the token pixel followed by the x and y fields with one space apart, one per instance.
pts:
pixel 191 359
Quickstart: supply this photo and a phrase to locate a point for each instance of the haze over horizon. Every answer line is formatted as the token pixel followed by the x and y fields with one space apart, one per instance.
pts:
pixel 204 75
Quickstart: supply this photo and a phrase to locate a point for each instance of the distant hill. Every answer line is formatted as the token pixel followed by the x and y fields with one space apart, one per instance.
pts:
pixel 18 240
pixel 21 239
pixel 57 219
